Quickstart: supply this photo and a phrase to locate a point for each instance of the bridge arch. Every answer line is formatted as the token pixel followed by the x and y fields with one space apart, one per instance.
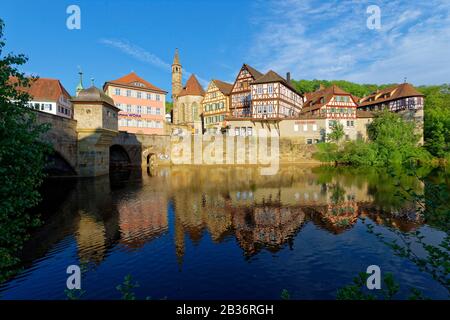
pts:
pixel 118 156
pixel 58 165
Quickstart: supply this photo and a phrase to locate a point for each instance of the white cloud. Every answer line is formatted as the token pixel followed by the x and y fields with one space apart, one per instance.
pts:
pixel 144 56
pixel 330 40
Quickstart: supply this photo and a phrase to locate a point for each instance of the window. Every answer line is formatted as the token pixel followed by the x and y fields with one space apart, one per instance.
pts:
pixel 139 109
pixel 305 127
pixel 236 131
pixel 243 131
pixel 270 88
pixel 139 95
pixel 128 107
pixel 157 97
pixel 149 96
pixel 128 93
pixel 117 92
pixel 158 111
pixel 309 141
pixel 331 123
pixel 260 89
pixel 296 127
pixel 139 123
pixel 249 131
pixel 149 110
pixel 314 127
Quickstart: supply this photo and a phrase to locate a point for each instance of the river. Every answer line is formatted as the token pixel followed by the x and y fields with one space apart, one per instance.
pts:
pixel 222 233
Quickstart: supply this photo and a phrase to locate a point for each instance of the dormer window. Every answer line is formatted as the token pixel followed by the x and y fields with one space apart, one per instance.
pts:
pixel 138 84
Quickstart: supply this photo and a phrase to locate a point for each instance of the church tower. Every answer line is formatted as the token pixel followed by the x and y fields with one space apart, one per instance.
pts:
pixel 176 76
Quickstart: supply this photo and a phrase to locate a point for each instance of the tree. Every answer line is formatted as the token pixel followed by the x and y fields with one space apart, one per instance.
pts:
pixel 22 159
pixel 395 139
pixel 337 132
pixel 437 119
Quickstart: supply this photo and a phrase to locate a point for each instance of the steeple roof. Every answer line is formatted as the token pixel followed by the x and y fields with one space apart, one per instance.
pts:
pixel 192 88
pixel 176 58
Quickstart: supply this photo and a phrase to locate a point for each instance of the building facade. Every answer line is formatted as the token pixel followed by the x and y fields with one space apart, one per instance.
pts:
pixel 187 101
pixel 50 96
pixel 216 105
pixel 403 99
pixel 335 106
pixel 141 104
pixel 272 96
pixel 241 92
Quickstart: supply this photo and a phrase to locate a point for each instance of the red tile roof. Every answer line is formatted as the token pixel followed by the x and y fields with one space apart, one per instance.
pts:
pixel 192 88
pixel 403 90
pixel 314 101
pixel 272 76
pixel 224 87
pixel 131 80
pixel 44 89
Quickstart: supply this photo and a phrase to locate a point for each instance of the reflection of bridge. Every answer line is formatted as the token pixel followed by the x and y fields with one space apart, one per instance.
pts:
pixel 77 153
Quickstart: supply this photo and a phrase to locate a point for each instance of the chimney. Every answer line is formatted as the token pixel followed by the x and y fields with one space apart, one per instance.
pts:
pixel 288 77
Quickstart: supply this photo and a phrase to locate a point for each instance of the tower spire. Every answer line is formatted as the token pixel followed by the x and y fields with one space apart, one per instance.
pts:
pixel 176 58
pixel 176 76
pixel 80 83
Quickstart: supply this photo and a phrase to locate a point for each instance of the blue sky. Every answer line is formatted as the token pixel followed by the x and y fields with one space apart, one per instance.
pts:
pixel 311 39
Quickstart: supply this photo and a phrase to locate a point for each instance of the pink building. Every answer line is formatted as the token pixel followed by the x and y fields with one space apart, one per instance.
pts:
pixel 141 104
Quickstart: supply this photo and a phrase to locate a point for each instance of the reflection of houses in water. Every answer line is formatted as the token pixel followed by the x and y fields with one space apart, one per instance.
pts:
pixel 263 211
pixel 406 219
pixel 91 239
pixel 142 219
pixel 269 226
pixel 335 218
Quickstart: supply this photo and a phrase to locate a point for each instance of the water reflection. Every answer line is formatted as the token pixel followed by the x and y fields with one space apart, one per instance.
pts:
pixel 131 209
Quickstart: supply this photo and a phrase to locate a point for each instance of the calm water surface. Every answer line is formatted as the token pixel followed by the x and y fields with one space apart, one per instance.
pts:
pixel 220 233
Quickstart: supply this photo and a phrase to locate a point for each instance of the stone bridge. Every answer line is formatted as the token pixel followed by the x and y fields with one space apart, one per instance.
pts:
pixel 72 147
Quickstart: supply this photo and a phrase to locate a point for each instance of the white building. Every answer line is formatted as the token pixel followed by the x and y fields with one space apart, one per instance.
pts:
pixel 49 95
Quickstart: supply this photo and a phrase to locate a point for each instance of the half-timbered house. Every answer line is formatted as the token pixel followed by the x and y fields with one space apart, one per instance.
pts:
pixel 396 98
pixel 272 96
pixel 241 91
pixel 216 105
pixel 335 106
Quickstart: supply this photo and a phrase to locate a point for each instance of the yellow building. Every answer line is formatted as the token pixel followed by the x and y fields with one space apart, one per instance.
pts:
pixel 216 105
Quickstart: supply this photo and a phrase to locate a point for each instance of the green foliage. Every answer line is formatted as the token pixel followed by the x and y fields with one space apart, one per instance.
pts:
pixel 22 159
pixel 358 290
pixel 169 106
pixel 126 288
pixel 285 295
pixel 356 89
pixel 337 132
pixel 327 152
pixel 393 141
pixel 437 119
pixel 74 294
